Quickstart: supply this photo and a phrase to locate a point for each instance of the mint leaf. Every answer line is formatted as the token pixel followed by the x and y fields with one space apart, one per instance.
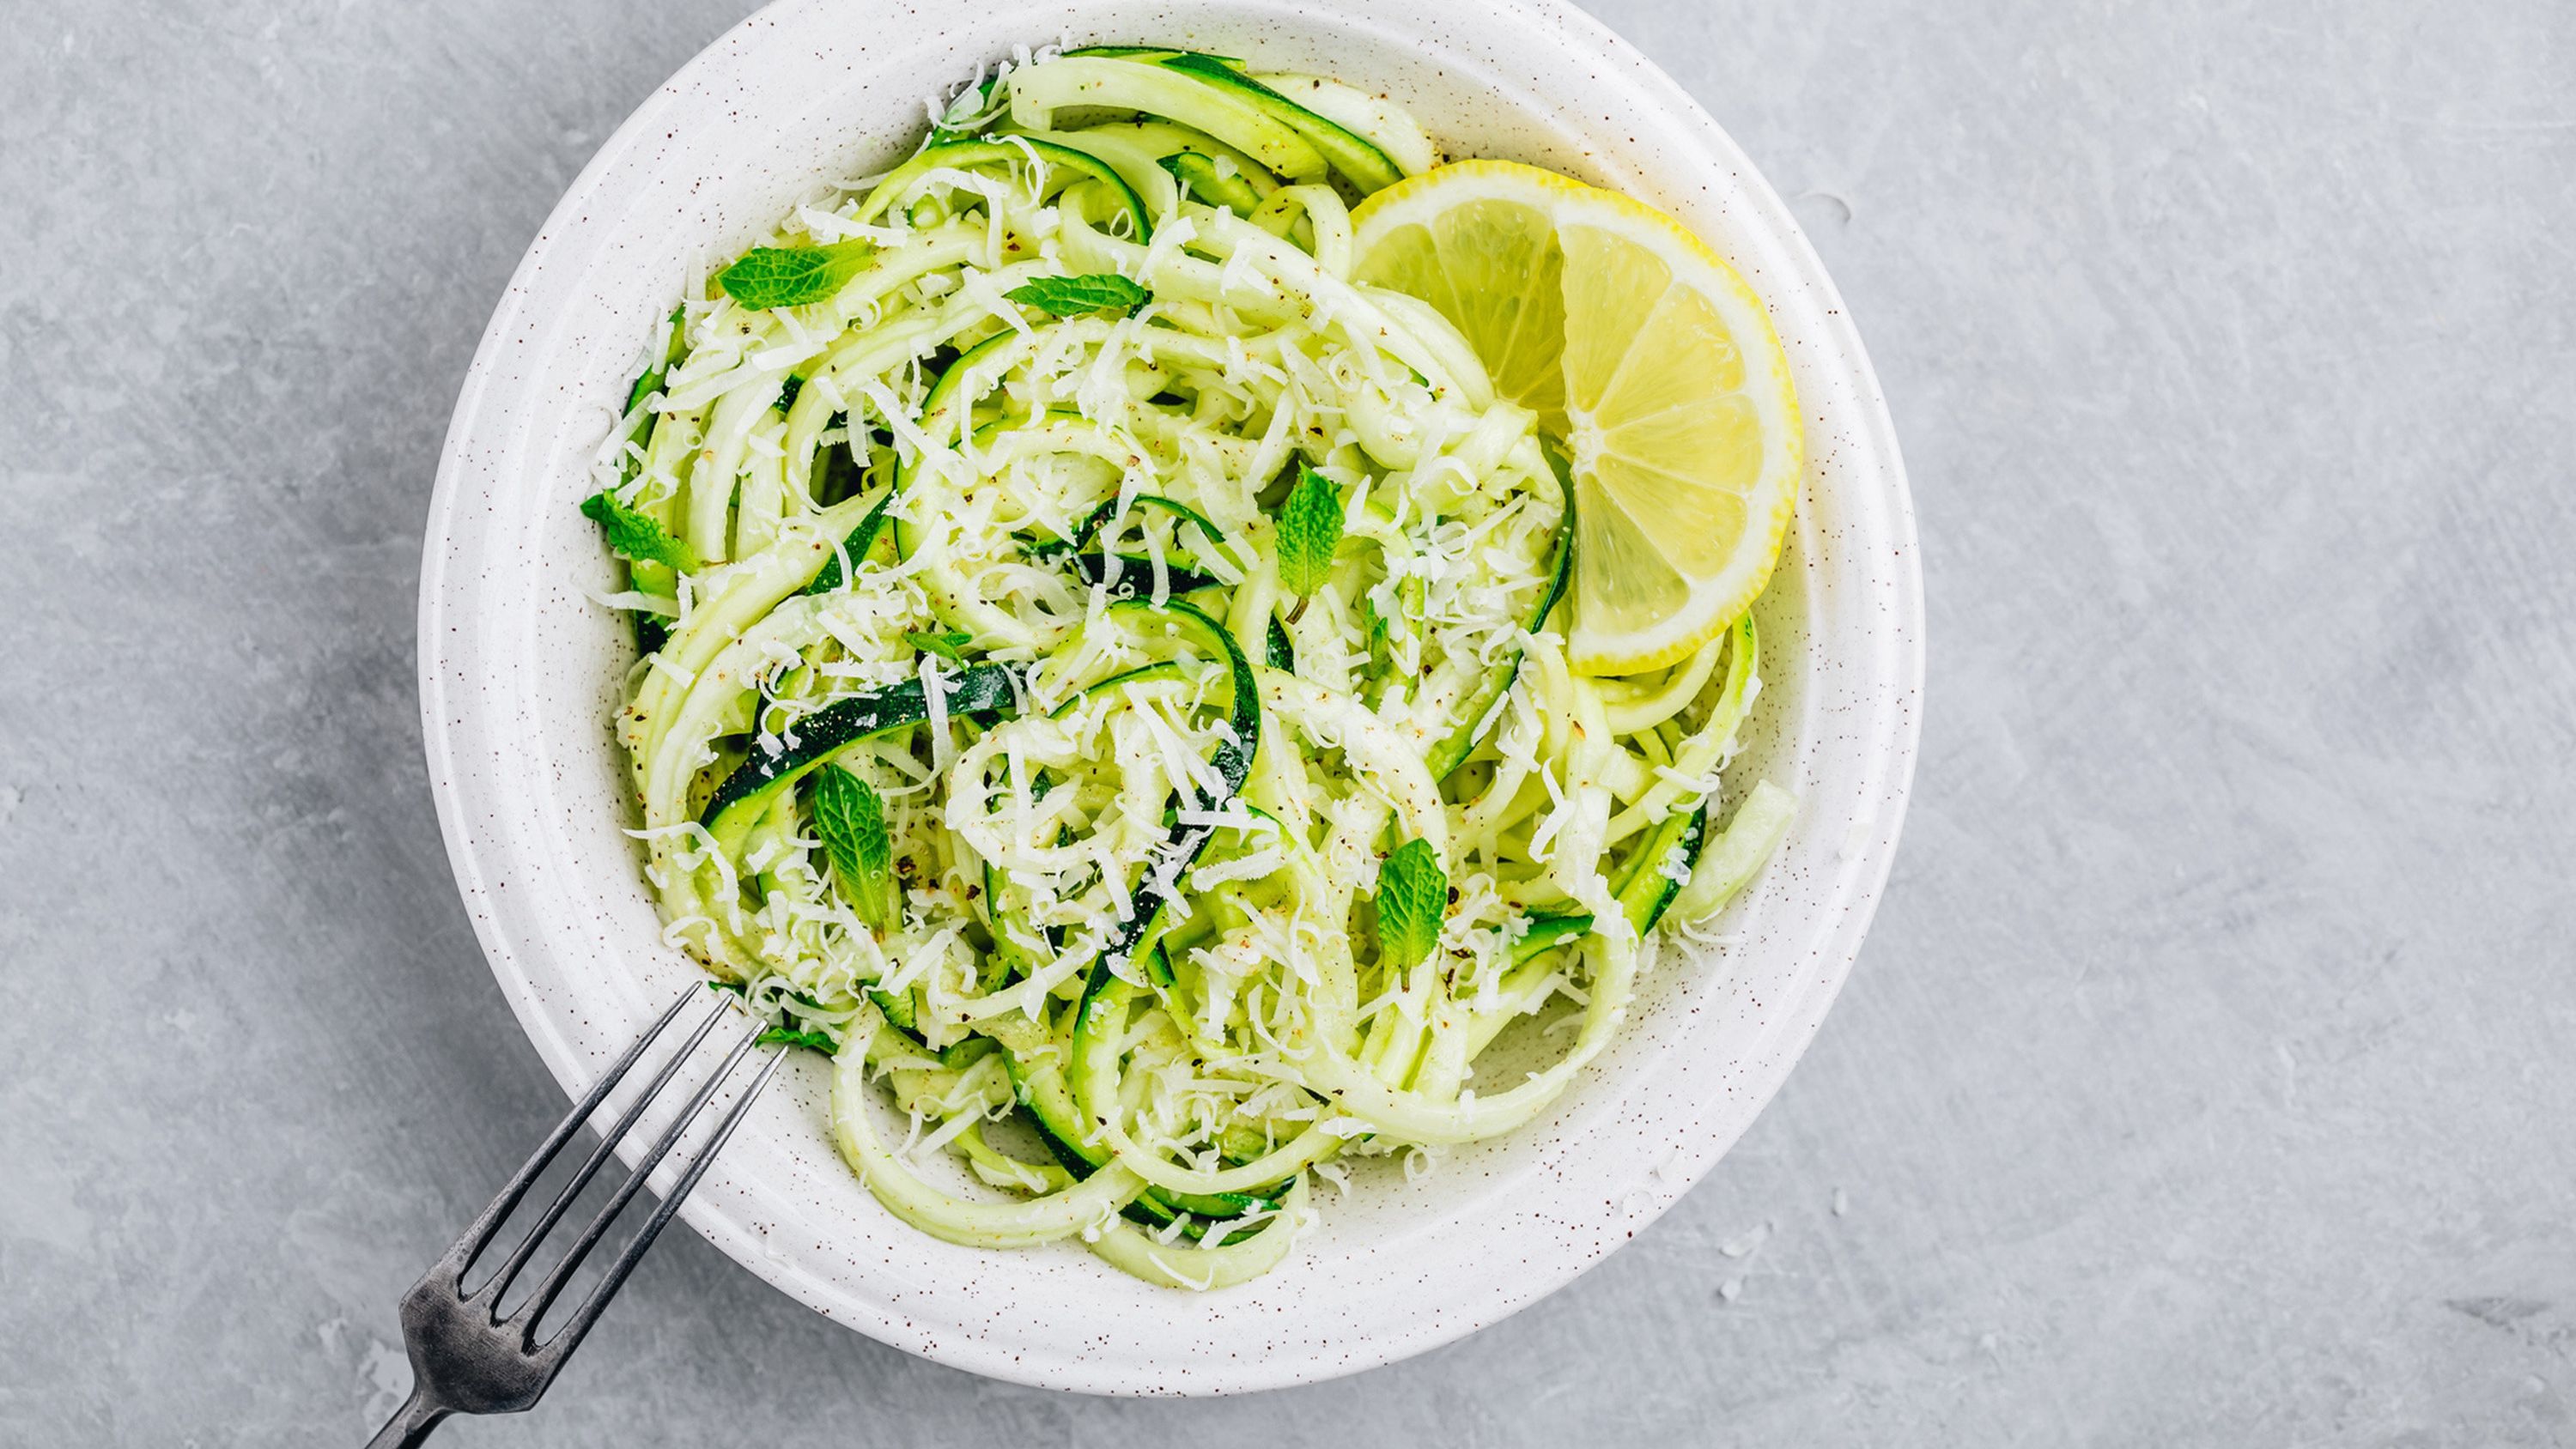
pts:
pixel 1412 896
pixel 949 645
pixel 792 276
pixel 636 536
pixel 850 817
pixel 816 1041
pixel 1310 528
pixel 1073 296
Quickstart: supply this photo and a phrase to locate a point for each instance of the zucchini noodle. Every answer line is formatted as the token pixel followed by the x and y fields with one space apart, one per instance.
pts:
pixel 1019 563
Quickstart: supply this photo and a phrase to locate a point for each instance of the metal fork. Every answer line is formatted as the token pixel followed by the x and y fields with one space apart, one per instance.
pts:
pixel 466 1358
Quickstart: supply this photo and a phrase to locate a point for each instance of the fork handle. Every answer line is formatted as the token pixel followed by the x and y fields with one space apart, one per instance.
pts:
pixel 410 1424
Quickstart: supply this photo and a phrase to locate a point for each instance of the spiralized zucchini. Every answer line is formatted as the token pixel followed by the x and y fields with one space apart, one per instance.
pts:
pixel 1001 732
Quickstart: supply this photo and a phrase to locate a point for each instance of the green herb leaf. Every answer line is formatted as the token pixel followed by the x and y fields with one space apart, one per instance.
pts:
pixel 1412 896
pixel 850 817
pixel 816 1041
pixel 1310 528
pixel 949 644
pixel 1073 296
pixel 636 536
pixel 792 276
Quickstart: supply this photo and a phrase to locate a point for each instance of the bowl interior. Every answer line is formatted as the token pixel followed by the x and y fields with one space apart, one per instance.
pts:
pixel 521 670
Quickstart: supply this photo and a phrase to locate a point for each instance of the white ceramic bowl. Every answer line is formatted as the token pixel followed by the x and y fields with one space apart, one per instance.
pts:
pixel 519 672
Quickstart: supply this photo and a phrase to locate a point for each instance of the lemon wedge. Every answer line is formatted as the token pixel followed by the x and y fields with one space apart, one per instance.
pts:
pixel 1645 356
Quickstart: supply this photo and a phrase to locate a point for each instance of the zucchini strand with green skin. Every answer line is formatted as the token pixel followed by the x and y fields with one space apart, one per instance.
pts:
pixel 1113 703
pixel 980 689
pixel 1233 764
pixel 1487 700
pixel 977 1224
pixel 1065 164
pixel 861 543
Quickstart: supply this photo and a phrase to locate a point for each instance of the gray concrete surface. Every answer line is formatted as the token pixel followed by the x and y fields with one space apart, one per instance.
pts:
pixel 2207 1080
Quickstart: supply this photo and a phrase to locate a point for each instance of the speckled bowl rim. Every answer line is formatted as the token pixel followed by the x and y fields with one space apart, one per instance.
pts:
pixel 1846 740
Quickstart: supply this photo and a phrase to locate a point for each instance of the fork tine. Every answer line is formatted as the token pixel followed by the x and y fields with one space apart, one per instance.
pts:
pixel 527 1248
pixel 478 1235
pixel 538 1302
pixel 569 1337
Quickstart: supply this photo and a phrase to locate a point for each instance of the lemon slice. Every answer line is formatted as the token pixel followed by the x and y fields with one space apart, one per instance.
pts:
pixel 1646 356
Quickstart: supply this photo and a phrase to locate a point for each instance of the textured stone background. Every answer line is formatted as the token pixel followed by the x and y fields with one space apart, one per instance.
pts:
pixel 2205 1082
